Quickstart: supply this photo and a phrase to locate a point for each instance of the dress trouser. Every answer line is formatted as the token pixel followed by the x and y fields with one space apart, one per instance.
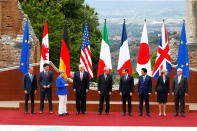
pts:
pixel 31 94
pixel 106 97
pixel 81 101
pixel 48 92
pixel 145 97
pixel 180 98
pixel 62 104
pixel 126 97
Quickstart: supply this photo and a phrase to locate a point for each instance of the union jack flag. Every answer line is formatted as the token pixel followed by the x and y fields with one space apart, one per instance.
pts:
pixel 163 60
pixel 85 58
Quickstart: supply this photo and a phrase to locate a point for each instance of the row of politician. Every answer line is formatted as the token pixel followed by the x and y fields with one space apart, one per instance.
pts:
pixel 126 88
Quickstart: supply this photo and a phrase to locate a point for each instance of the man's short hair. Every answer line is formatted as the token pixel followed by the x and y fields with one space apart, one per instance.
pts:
pixel 31 67
pixel 144 70
pixel 106 68
pixel 45 64
pixel 80 65
pixel 179 69
pixel 126 69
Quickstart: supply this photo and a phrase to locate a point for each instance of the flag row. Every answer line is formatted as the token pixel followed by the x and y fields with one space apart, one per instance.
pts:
pixel 163 59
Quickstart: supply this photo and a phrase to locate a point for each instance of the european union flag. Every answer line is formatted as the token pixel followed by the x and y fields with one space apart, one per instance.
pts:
pixel 183 60
pixel 24 62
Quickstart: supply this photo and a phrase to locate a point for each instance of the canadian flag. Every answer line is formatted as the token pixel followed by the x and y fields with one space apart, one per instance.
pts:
pixel 144 55
pixel 124 60
pixel 45 48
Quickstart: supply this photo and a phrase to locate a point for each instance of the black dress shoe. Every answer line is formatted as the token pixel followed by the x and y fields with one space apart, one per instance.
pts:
pixel 176 114
pixel 61 114
pixel 66 114
pixel 26 113
pixel 140 114
pixel 182 114
pixel 148 114
pixel 123 114
pixel 33 113
pixel 99 113
pixel 130 114
pixel 107 113
pixel 84 113
pixel 77 113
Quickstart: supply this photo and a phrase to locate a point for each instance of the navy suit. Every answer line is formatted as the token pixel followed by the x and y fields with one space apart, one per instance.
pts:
pixel 29 85
pixel 81 86
pixel 144 87
pixel 43 91
pixel 126 87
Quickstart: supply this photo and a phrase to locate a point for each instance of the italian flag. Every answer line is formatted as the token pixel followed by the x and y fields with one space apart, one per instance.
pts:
pixel 105 57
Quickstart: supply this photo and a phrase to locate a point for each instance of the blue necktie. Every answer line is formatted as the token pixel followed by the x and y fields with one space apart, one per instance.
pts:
pixel 31 77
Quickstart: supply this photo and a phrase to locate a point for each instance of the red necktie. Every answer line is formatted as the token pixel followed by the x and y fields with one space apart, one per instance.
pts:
pixel 46 75
pixel 81 75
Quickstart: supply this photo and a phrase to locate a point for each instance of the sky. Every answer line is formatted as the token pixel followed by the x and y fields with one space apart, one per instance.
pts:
pixel 139 9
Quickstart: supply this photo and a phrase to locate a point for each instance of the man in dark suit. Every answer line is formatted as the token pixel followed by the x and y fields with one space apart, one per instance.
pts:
pixel 81 87
pixel 126 89
pixel 144 90
pixel 30 88
pixel 179 90
pixel 46 80
pixel 104 89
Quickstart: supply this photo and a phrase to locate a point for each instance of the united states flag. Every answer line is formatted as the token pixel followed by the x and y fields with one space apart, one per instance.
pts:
pixel 85 58
pixel 163 60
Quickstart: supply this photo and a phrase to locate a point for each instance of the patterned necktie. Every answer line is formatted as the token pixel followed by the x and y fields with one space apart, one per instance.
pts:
pixel 144 79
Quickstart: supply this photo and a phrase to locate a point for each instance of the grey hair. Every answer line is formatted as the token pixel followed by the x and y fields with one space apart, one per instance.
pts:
pixel 179 69
pixel 106 68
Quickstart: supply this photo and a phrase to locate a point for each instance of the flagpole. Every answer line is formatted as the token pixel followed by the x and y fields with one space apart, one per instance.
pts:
pixel 145 20
pixel 163 20
pixel 183 20
pixel 124 20
pixel 105 20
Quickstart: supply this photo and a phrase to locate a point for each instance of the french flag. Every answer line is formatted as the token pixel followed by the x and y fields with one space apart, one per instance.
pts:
pixel 124 56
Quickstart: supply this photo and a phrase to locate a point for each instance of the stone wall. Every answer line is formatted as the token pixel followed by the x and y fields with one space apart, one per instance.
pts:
pixel 12 23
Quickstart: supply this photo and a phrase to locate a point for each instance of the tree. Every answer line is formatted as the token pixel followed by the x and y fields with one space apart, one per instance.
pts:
pixel 75 12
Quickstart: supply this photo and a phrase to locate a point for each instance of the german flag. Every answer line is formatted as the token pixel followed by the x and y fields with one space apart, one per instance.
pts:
pixel 65 55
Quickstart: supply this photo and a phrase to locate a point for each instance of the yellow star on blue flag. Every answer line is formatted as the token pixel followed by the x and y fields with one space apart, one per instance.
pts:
pixel 183 60
pixel 24 61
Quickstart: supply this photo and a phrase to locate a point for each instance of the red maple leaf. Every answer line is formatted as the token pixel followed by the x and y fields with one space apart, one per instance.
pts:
pixel 44 51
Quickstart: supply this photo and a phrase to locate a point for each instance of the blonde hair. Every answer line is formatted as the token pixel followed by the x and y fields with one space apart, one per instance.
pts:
pixel 61 71
pixel 163 71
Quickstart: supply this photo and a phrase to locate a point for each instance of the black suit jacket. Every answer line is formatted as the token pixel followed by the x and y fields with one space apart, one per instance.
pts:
pixel 126 86
pixel 105 86
pixel 29 85
pixel 81 85
pixel 180 88
pixel 43 81
pixel 162 87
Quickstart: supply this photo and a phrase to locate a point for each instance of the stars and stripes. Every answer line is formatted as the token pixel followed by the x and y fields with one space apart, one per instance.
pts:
pixel 85 58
